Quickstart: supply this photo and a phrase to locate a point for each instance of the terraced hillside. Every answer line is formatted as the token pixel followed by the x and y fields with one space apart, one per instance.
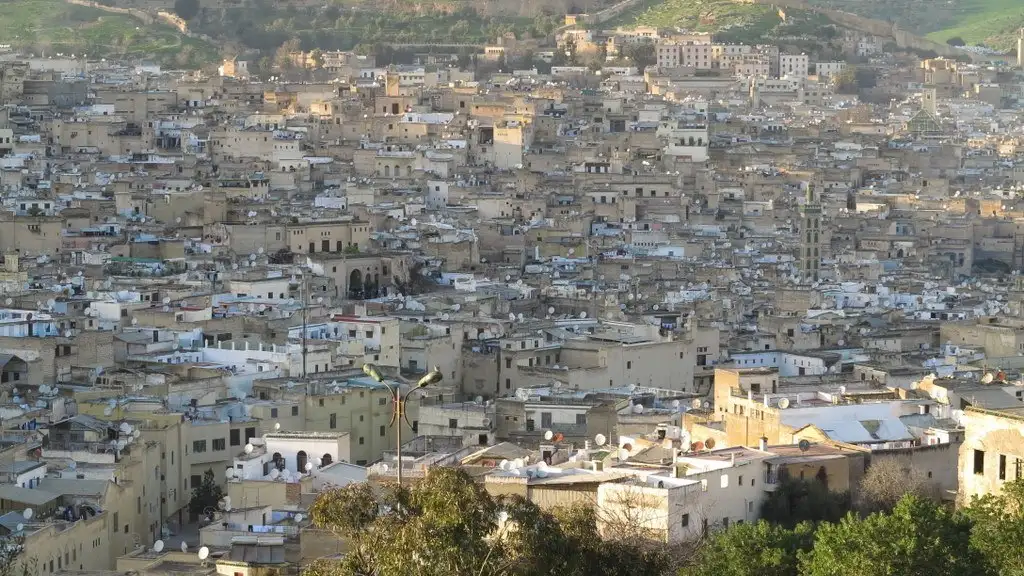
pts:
pixel 54 26
pixel 992 23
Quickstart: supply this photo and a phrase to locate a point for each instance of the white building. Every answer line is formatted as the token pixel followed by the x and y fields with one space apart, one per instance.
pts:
pixel 794 65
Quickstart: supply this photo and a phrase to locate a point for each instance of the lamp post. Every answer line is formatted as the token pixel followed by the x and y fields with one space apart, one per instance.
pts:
pixel 398 403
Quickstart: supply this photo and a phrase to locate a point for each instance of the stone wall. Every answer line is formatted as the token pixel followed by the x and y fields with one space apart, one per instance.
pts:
pixel 902 38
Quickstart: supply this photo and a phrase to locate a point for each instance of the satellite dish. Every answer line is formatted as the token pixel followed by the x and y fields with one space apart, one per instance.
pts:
pixel 229 473
pixel 27 514
pixel 248 449
pixel 695 404
pixel 623 454
pixel 158 546
pixel 184 546
pixel 299 517
pixel 600 440
pixel 274 473
pixel 204 553
pixel 675 404
pixel 709 443
pixel 987 378
pixel 783 403
pixel 277 426
pixel 842 390
pixel 20 527
pixel 583 315
pixel 309 466
pixel 638 408
pixel 805 445
pixel 551 309
pixel 548 435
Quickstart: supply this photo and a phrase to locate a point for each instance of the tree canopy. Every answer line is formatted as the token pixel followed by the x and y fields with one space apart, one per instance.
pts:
pixel 448 525
pixel 205 496
pixel 758 548
pixel 795 501
pixel 187 9
pixel 919 537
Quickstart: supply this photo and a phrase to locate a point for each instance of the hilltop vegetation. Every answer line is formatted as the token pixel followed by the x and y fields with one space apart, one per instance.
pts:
pixel 992 23
pixel 54 26
pixel 263 25
pixel 730 21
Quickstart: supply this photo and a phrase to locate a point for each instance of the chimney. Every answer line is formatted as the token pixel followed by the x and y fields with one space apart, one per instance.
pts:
pixel 762 444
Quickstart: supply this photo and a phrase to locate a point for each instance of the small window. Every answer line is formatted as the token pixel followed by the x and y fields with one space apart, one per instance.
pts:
pixel 1002 466
pixel 979 461
pixel 273 412
pixel 295 410
pixel 686 520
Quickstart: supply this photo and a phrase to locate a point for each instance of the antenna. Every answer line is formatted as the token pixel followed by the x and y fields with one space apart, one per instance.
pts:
pixel 549 435
pixel 600 440
pixel 158 546
pixel 805 445
pixel 783 403
pixel 709 443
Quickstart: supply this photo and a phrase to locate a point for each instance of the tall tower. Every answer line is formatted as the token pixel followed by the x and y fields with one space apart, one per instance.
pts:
pixel 1020 48
pixel 809 259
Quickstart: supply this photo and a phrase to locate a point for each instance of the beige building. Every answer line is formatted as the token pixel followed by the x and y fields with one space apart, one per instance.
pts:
pixel 992 452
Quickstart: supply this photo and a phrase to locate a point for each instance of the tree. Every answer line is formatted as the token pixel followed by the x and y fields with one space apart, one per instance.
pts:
pixel 641 54
pixel 998 529
pixel 283 56
pixel 205 496
pixel 448 525
pixel 795 501
pixel 886 482
pixel 919 538
pixel 186 9
pixel 956 41
pixel 11 549
pixel 761 548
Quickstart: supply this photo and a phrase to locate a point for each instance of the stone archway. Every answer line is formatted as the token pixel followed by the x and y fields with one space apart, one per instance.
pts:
pixel 355 284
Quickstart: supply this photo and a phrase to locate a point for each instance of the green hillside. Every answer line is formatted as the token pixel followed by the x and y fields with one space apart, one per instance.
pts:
pixel 730 21
pixel 991 23
pixel 54 26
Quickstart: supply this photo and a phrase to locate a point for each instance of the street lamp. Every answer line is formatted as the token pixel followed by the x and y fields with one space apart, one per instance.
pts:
pixel 398 403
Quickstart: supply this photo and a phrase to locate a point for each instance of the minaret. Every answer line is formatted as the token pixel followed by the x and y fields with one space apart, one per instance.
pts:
pixel 809 258
pixel 1020 48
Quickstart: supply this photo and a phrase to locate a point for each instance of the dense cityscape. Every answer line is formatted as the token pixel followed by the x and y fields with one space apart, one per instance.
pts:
pixel 652 287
